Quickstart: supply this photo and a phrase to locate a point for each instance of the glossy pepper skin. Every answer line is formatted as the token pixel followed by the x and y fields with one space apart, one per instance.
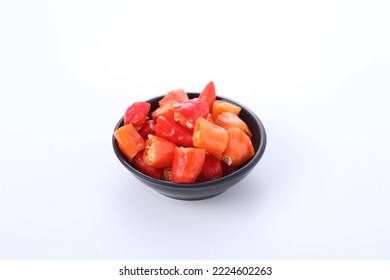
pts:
pixel 227 170
pixel 187 164
pixel 189 111
pixel 220 106
pixel 130 142
pixel 147 128
pixel 228 120
pixel 208 94
pixel 141 165
pixel 212 169
pixel 174 132
pixel 163 110
pixel 137 114
pixel 239 148
pixel 159 152
pixel 174 96
pixel 210 137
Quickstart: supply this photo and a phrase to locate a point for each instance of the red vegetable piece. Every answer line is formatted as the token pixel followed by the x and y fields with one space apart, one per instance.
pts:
pixel 228 120
pixel 175 96
pixel 147 128
pixel 141 165
pixel 129 140
pixel 137 114
pixel 220 106
pixel 164 110
pixel 159 152
pixel 189 111
pixel 226 169
pixel 210 137
pixel 212 169
pixel 187 164
pixel 174 132
pixel 208 94
pixel 239 148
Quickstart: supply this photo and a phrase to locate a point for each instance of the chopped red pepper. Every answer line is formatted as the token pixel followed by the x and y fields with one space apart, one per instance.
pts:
pixel 173 131
pixel 210 137
pixel 187 164
pixel 175 96
pixel 228 120
pixel 226 169
pixel 186 140
pixel 129 140
pixel 189 111
pixel 212 169
pixel 238 149
pixel 220 106
pixel 209 118
pixel 147 128
pixel 141 165
pixel 208 94
pixel 137 114
pixel 164 110
pixel 159 152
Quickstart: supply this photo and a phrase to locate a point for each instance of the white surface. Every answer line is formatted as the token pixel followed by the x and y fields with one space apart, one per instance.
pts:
pixel 317 74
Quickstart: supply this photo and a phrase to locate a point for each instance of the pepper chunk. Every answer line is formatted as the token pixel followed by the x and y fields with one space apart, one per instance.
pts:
pixel 228 120
pixel 147 128
pixel 208 94
pixel 137 114
pixel 174 132
pixel 130 142
pixel 227 170
pixel 238 149
pixel 159 152
pixel 212 169
pixel 220 106
pixel 141 165
pixel 176 96
pixel 187 164
pixel 189 111
pixel 210 137
pixel 164 110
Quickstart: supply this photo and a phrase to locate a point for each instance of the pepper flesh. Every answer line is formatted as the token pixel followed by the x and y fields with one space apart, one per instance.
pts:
pixel 130 142
pixel 187 164
pixel 210 137
pixel 174 132
pixel 212 169
pixel 164 110
pixel 141 165
pixel 208 94
pixel 176 96
pixel 147 128
pixel 189 111
pixel 137 114
pixel 159 152
pixel 238 149
pixel 220 106
pixel 228 120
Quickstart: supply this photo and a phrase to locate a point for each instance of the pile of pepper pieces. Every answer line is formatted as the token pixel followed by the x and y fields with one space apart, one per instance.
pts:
pixel 185 140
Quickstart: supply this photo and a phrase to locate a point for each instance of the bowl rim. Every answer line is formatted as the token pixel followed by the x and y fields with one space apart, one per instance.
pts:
pixel 200 185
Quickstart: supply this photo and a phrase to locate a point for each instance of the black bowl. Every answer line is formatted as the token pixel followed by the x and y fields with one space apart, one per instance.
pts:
pixel 208 189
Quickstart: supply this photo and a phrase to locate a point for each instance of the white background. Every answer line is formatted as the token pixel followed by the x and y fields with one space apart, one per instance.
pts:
pixel 317 73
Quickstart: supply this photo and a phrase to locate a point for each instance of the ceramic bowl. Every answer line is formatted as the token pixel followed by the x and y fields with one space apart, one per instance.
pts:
pixel 197 191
